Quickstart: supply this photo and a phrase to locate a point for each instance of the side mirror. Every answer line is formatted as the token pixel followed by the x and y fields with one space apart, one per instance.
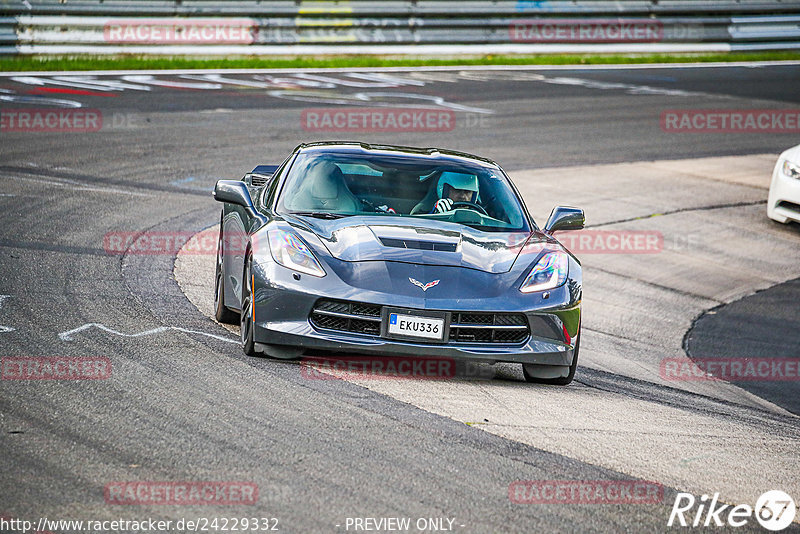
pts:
pixel 565 218
pixel 233 191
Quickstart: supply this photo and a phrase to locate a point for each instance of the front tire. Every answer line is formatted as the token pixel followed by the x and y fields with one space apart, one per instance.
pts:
pixel 552 374
pixel 246 320
pixel 221 313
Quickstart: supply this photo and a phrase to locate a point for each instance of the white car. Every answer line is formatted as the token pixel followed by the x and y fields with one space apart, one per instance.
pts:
pixel 784 191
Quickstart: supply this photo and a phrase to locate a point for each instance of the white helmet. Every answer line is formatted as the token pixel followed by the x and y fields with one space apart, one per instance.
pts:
pixel 458 180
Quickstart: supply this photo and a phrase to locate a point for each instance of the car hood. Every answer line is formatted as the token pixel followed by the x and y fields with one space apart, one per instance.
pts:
pixel 419 241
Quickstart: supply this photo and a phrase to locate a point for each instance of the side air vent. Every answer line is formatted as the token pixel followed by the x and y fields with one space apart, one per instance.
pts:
pixel 418 245
pixel 257 180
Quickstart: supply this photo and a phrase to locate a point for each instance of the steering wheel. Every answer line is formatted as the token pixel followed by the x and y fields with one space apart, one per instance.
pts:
pixel 468 205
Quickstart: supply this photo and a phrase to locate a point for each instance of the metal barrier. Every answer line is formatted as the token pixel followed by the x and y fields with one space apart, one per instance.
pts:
pixel 395 26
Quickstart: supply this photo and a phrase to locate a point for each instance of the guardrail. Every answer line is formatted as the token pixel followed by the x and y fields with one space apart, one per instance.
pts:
pixel 395 26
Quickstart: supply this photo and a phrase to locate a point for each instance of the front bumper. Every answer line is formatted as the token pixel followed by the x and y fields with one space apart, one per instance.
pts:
pixel 783 204
pixel 302 334
pixel 283 306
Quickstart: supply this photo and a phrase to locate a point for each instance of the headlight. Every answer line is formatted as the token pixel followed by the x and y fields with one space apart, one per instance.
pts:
pixel 289 251
pixel 791 170
pixel 548 273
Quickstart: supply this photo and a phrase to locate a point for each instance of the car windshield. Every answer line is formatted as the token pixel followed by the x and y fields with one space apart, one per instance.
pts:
pixel 327 185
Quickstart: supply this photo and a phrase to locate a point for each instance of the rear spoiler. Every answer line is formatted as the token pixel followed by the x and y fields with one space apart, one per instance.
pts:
pixel 259 176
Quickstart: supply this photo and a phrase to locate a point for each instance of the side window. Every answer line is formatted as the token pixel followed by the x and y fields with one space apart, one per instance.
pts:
pixel 268 194
pixel 269 191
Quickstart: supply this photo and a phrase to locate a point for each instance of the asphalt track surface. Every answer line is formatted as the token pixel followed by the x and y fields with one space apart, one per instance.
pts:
pixel 763 325
pixel 183 403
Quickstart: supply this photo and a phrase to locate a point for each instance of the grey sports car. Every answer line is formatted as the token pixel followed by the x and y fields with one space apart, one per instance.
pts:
pixel 396 251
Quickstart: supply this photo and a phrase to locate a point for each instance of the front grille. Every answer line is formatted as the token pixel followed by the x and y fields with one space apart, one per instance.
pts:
pixel 510 328
pixel 361 318
pixel 789 206
pixel 347 317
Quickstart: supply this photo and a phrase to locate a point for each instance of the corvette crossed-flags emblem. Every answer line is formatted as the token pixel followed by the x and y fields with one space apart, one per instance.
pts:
pixel 422 286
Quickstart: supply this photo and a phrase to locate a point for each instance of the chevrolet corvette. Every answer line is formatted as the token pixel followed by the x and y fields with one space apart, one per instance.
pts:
pixel 395 251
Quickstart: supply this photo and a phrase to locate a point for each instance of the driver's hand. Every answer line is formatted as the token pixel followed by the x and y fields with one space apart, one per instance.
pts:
pixel 442 205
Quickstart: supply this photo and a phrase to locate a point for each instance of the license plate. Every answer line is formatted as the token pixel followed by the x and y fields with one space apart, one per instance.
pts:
pixel 416 326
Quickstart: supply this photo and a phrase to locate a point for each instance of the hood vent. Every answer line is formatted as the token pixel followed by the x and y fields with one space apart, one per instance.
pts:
pixel 418 245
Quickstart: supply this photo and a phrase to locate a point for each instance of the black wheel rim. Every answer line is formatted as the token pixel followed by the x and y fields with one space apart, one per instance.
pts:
pixel 218 282
pixel 219 251
pixel 217 290
pixel 245 327
pixel 246 308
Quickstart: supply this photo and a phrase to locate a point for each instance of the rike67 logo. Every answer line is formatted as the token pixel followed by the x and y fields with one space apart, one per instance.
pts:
pixel 775 510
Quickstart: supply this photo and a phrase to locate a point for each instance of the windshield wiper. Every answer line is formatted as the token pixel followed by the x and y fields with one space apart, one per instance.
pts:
pixel 319 214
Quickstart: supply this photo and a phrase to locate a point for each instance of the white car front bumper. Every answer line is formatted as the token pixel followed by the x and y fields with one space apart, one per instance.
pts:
pixel 783 204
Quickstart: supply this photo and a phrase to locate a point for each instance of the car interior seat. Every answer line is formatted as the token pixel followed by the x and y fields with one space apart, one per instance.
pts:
pixel 324 189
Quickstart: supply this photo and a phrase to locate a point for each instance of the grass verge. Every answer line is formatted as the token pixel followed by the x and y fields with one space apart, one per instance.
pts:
pixel 127 62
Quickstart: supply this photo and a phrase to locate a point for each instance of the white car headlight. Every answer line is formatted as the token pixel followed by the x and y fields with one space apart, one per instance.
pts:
pixel 548 273
pixel 791 170
pixel 288 250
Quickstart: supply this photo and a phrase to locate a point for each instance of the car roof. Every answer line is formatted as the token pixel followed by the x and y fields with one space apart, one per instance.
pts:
pixel 355 147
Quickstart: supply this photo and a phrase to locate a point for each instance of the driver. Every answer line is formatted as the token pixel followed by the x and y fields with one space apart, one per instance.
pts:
pixel 455 187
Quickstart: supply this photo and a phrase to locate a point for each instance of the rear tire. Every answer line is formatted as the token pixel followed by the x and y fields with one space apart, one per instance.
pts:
pixel 548 374
pixel 246 316
pixel 221 313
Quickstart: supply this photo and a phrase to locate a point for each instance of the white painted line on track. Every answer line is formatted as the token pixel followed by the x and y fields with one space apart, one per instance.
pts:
pixel 68 335
pixel 441 68
pixel 4 329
